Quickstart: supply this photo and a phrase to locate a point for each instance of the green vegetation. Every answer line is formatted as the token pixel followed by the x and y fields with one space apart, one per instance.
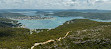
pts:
pixel 85 34
pixel 12 38
pixel 9 23
pixel 103 16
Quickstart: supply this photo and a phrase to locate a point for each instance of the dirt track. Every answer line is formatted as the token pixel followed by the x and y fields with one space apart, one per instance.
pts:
pixel 42 43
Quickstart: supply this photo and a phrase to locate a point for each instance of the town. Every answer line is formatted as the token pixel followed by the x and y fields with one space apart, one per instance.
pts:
pixel 29 18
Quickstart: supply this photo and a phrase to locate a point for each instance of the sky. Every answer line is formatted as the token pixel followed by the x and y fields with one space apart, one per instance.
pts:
pixel 55 4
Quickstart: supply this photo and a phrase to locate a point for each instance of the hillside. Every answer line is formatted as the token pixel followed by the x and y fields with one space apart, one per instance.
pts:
pixel 9 32
pixel 9 23
pixel 84 34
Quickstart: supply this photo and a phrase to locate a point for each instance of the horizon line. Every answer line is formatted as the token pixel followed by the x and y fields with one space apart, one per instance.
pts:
pixel 55 9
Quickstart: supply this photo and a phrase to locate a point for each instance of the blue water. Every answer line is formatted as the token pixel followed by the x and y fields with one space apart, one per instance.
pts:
pixel 98 20
pixel 48 23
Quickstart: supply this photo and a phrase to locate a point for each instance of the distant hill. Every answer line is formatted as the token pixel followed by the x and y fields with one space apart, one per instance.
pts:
pixel 103 16
pixel 11 15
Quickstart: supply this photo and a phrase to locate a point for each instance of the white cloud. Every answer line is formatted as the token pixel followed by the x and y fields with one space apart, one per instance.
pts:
pixel 54 4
